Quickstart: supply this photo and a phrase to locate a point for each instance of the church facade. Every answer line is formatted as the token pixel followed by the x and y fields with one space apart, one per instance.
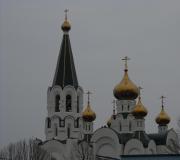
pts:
pixel 69 128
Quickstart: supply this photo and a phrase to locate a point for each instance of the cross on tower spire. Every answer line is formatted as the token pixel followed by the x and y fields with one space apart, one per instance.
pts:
pixel 125 59
pixel 162 101
pixel 88 94
pixel 65 11
pixel 139 90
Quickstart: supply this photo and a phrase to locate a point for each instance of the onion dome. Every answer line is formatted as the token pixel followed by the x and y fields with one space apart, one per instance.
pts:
pixel 162 118
pixel 66 25
pixel 139 110
pixel 126 89
pixel 88 114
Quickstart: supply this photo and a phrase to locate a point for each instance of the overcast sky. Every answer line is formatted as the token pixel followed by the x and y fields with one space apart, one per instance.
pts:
pixel 102 33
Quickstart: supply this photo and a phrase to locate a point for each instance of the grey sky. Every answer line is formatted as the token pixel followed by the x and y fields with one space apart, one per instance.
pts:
pixel 102 33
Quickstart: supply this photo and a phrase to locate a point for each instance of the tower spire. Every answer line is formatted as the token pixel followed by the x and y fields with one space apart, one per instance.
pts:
pixel 65 73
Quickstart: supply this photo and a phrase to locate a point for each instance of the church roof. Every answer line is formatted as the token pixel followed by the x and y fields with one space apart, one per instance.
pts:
pixel 65 73
pixel 160 139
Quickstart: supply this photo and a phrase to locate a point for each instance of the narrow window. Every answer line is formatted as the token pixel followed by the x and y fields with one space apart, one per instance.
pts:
pixel 68 103
pixel 56 130
pixel 57 99
pixel 130 126
pixel 120 127
pixel 59 122
pixel 77 104
pixel 76 123
pixel 122 107
pixel 68 130
pixel 128 107
pixel 48 122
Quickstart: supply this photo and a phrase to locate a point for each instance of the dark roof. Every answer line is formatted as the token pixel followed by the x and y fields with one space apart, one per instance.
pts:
pixel 124 137
pixel 65 73
pixel 160 139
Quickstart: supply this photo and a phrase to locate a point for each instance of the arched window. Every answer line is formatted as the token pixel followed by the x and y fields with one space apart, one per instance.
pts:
pixel 57 99
pixel 68 103
pixel 48 122
pixel 128 107
pixel 76 123
pixel 77 104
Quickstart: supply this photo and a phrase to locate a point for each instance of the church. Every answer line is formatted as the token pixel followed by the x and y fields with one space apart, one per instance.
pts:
pixel 69 125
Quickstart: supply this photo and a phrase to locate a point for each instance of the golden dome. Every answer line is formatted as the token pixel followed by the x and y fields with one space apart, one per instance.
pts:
pixel 139 110
pixel 162 118
pixel 126 89
pixel 66 25
pixel 88 114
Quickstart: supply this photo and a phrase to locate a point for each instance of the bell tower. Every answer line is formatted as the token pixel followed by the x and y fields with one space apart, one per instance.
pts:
pixel 65 96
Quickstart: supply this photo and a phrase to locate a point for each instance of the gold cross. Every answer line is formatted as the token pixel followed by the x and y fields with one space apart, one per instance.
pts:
pixel 88 93
pixel 65 11
pixel 125 59
pixel 140 88
pixel 162 100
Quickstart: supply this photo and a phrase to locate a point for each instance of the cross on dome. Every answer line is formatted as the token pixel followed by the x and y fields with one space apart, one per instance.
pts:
pixel 88 94
pixel 125 59
pixel 65 11
pixel 162 101
pixel 139 90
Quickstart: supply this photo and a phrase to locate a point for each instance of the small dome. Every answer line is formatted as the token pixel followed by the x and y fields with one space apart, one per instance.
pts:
pixel 88 114
pixel 162 118
pixel 126 89
pixel 66 26
pixel 139 110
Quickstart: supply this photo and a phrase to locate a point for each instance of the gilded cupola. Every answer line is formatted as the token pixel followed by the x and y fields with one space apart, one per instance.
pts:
pixel 162 118
pixel 126 89
pixel 139 110
pixel 66 25
pixel 88 114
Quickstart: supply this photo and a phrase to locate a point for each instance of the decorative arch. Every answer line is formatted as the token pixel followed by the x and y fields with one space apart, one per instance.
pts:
pixel 104 139
pixel 133 146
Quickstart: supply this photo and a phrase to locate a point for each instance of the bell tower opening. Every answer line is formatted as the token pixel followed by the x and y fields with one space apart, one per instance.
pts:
pixel 68 103
pixel 57 100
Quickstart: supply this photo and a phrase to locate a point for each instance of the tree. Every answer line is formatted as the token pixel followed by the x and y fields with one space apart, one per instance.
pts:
pixel 82 151
pixel 24 150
